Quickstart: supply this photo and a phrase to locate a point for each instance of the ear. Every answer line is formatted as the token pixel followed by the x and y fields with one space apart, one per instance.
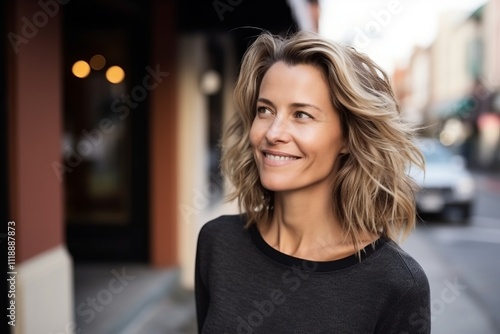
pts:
pixel 344 149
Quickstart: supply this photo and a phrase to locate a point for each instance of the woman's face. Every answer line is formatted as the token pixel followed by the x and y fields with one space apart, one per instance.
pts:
pixel 296 135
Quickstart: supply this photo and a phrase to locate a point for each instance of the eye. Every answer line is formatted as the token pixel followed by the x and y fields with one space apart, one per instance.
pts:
pixel 303 115
pixel 264 110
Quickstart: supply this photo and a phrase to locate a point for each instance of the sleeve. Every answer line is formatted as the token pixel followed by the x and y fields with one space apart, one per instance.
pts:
pixel 411 314
pixel 202 296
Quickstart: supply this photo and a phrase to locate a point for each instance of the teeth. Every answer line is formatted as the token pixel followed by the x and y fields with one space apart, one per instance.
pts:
pixel 279 157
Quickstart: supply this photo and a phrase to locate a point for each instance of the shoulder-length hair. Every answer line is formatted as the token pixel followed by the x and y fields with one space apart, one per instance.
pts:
pixel 372 192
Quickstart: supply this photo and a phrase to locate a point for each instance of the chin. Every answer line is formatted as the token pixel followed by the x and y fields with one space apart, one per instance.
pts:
pixel 277 185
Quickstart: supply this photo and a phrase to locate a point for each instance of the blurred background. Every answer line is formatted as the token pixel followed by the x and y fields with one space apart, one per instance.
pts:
pixel 110 115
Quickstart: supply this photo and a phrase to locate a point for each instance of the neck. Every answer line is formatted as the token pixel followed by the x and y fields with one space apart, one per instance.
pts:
pixel 304 225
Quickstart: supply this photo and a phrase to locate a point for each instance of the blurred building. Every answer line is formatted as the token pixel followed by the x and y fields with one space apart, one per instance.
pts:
pixel 488 122
pixel 418 86
pixel 113 111
pixel 454 84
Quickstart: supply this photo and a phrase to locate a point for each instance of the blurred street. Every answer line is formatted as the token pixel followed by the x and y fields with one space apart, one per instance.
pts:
pixel 465 257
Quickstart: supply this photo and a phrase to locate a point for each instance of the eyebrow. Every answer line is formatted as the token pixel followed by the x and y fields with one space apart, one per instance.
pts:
pixel 295 104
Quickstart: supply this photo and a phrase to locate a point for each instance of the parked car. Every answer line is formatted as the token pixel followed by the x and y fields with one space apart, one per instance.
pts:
pixel 447 187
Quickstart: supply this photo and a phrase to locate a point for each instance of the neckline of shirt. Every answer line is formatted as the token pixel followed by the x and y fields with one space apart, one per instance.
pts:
pixel 309 265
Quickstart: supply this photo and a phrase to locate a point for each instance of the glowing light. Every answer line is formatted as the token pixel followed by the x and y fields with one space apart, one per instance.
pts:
pixel 210 82
pixel 97 62
pixel 81 69
pixel 453 133
pixel 446 138
pixel 115 74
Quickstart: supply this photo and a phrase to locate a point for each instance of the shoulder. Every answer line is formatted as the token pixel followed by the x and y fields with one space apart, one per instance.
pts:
pixel 409 265
pixel 407 303
pixel 220 241
pixel 401 271
pixel 223 223
pixel 221 228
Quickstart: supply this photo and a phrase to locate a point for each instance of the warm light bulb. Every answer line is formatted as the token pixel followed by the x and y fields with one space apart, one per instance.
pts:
pixel 81 69
pixel 97 62
pixel 115 74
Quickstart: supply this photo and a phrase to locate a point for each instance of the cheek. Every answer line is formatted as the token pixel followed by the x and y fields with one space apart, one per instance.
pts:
pixel 255 135
pixel 330 150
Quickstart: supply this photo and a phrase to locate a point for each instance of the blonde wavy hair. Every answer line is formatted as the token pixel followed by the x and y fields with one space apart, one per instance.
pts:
pixel 372 192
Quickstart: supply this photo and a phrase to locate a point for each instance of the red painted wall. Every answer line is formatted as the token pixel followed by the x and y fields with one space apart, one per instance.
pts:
pixel 35 100
pixel 163 139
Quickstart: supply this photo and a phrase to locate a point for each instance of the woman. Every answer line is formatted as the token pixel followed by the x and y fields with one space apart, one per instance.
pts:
pixel 317 155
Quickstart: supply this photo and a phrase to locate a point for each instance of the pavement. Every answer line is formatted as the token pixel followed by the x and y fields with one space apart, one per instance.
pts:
pixel 132 299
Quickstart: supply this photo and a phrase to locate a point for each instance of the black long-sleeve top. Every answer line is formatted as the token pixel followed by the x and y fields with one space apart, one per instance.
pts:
pixel 243 285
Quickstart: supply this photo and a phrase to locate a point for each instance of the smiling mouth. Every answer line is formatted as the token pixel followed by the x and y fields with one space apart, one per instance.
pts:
pixel 273 157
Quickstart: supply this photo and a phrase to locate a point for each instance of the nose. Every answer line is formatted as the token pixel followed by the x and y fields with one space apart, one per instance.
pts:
pixel 278 131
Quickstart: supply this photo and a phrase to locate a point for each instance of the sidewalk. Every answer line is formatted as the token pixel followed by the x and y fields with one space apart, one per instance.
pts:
pixel 130 299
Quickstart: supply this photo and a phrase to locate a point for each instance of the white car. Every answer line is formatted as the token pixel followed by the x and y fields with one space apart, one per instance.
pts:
pixel 447 187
